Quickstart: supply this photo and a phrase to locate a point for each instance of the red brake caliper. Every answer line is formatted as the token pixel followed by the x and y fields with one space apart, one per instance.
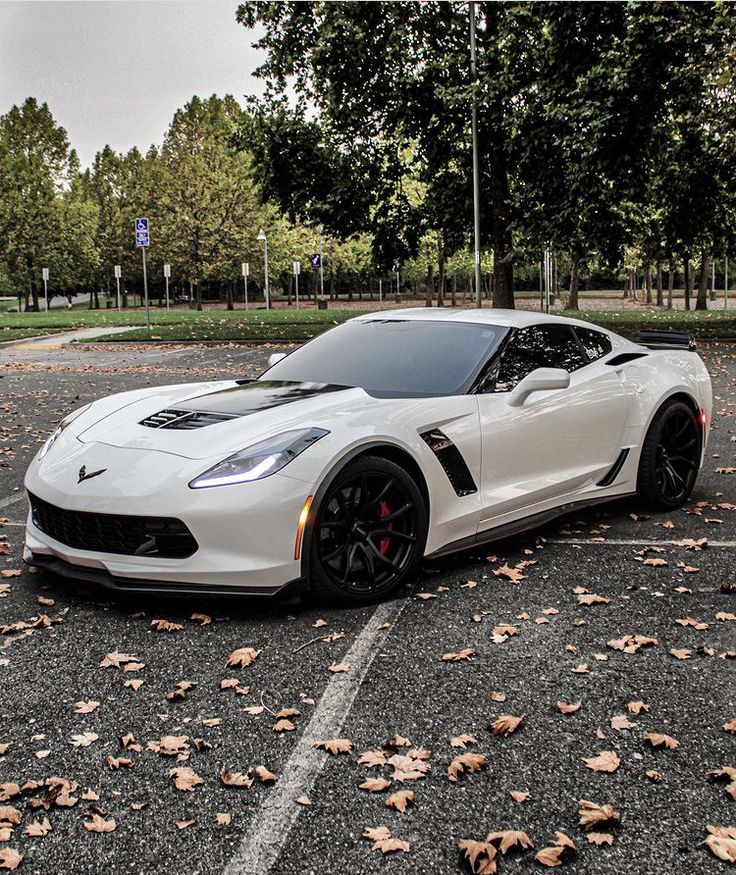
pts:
pixel 384 509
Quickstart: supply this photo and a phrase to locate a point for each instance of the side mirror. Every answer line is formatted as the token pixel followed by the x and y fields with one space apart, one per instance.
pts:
pixel 541 380
pixel 275 357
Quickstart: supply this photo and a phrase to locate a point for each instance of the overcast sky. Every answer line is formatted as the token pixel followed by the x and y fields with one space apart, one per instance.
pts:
pixel 114 71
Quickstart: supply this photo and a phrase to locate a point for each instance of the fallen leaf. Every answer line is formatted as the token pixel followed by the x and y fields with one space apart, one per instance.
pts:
pixel 38 828
pixel 510 838
pixel 600 838
pixel 264 776
pixel 567 708
pixel 605 761
pixel 506 724
pixel 223 818
pixel 470 762
pixel 235 779
pixel 520 795
pixel 85 707
pixel 375 785
pixel 339 667
pixel 83 740
pixel 400 800
pixel 334 745
pixel 185 778
pixel 10 858
pixel 384 842
pixel 467 653
pixel 98 824
pixel 462 741
pixel 243 657
pixel 592 814
pixel 656 739
pixel 480 856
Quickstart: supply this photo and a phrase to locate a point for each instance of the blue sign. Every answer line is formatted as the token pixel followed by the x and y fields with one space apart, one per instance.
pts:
pixel 142 237
pixel 316 261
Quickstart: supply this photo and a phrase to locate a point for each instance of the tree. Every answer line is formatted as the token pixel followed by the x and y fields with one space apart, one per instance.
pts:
pixel 37 166
pixel 207 208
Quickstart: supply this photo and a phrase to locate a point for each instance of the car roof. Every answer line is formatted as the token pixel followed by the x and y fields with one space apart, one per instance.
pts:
pixel 490 316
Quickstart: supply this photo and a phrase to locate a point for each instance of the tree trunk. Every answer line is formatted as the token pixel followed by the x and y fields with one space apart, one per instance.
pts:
pixel 503 268
pixel 702 300
pixel 229 296
pixel 648 282
pixel 686 266
pixel 453 290
pixel 96 294
pixel 670 285
pixel 429 291
pixel 660 299
pixel 572 302
pixel 632 284
pixel 199 295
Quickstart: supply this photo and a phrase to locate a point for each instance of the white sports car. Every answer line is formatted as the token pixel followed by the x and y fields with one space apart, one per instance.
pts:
pixel 394 436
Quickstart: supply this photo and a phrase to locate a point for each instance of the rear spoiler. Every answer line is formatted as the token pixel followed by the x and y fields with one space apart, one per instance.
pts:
pixel 666 340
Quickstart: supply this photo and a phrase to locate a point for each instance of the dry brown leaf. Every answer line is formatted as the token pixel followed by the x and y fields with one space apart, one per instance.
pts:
pixel 264 776
pixel 375 785
pixel 465 762
pixel 600 838
pixel 283 725
pixel 605 761
pixel 184 823
pixel 383 840
pixel 372 758
pixel 400 800
pixel 593 599
pixel 116 762
pixel 461 741
pixel 334 745
pixel 202 619
pixel 222 818
pixel 520 795
pixel 637 707
pixel 235 779
pixel 681 654
pixel 480 856
pixel 550 857
pixel 730 726
pixel 460 655
pixel 85 739
pixel 10 858
pixel 509 839
pixel 85 707
pixel 567 708
pixel 243 657
pixel 166 626
pixel 498 696
pixel 592 814
pixel 339 667
pixel 185 778
pixel 506 724
pixel 99 824
pixel 621 722
pixel 303 800
pixel 38 828
pixel 656 739
pixel 116 659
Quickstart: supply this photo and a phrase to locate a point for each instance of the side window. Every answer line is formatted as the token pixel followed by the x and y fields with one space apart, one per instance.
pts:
pixel 539 346
pixel 595 344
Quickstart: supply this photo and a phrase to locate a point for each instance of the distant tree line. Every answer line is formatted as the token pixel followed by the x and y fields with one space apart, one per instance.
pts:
pixel 607 135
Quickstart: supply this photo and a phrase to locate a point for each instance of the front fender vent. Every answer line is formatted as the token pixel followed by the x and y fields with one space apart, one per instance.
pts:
pixel 610 476
pixel 451 460
pixel 185 420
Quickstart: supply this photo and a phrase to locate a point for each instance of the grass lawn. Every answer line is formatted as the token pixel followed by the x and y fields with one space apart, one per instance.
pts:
pixel 21 333
pixel 280 326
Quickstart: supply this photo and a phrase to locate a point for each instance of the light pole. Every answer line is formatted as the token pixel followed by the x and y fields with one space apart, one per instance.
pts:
pixel 118 274
pixel 297 271
pixel 246 270
pixel 476 171
pixel 262 237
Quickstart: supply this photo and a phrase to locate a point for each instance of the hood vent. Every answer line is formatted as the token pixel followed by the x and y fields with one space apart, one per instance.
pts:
pixel 185 420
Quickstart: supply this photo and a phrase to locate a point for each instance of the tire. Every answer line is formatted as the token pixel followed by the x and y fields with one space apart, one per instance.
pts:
pixel 369 532
pixel 670 457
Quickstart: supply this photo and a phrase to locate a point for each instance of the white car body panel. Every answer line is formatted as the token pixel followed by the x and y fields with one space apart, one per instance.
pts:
pixel 544 455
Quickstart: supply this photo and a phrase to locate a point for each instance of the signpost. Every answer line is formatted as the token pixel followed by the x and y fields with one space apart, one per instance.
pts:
pixel 264 239
pixel 297 271
pixel 246 274
pixel 118 274
pixel 45 275
pixel 397 271
pixel 380 294
pixel 143 239
pixel 167 276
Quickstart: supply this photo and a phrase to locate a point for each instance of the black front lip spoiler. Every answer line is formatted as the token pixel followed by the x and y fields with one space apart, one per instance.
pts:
pixel 139 586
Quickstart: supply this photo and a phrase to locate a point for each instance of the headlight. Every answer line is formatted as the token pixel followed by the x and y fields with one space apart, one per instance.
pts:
pixel 68 420
pixel 259 461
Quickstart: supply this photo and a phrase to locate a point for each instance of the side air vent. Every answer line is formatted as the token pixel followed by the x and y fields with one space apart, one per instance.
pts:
pixel 624 357
pixel 451 460
pixel 185 420
pixel 610 477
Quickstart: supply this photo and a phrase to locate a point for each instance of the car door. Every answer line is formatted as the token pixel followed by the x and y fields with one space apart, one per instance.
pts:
pixel 557 441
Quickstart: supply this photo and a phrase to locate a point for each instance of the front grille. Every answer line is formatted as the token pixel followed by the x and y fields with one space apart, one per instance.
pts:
pixel 185 420
pixel 163 537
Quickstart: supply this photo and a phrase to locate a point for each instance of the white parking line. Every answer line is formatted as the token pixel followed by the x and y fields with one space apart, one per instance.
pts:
pixel 6 502
pixel 272 822
pixel 616 542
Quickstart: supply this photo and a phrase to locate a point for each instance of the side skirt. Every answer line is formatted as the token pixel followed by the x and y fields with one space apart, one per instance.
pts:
pixel 516 527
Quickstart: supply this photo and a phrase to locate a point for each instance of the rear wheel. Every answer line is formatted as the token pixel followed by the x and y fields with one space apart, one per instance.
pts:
pixel 670 457
pixel 369 532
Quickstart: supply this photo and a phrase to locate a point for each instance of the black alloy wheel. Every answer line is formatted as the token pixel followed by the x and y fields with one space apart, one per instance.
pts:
pixel 369 531
pixel 670 457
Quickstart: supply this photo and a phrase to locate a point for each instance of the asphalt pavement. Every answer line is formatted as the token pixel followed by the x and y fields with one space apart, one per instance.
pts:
pixel 516 648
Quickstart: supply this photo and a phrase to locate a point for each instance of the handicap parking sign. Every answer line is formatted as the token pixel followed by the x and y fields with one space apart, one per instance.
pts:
pixel 142 237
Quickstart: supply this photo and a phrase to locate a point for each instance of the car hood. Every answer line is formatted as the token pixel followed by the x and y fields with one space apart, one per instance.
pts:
pixel 204 420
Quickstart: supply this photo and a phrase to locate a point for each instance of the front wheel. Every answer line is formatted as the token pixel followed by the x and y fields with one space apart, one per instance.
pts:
pixel 369 532
pixel 670 457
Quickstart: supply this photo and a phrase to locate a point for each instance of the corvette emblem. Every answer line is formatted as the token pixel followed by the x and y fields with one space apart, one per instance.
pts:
pixel 83 475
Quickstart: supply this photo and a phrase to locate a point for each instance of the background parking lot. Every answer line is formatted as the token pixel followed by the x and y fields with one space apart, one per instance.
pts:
pixel 523 624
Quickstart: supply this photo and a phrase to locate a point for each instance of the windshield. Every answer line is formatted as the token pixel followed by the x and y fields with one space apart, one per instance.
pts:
pixel 394 357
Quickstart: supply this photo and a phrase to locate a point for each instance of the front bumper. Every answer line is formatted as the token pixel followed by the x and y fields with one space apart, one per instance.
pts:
pixel 245 533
